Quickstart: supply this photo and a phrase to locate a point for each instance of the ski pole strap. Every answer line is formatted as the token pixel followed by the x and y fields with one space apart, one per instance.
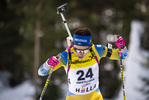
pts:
pixel 94 55
pixel 69 58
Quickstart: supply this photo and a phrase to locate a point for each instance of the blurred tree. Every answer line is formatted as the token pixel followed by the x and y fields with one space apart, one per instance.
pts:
pixel 39 21
pixel 10 39
pixel 37 46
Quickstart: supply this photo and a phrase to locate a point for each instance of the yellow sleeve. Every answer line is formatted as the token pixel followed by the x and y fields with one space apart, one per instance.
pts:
pixel 105 51
pixel 115 54
pixel 58 66
pixel 63 60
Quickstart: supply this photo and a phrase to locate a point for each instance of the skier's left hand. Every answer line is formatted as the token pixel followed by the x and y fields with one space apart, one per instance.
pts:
pixel 120 42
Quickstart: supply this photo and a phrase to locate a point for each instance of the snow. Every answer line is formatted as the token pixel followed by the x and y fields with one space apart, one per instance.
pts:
pixel 24 91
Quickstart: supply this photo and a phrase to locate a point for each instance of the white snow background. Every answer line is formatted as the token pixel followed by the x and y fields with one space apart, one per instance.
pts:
pixel 24 91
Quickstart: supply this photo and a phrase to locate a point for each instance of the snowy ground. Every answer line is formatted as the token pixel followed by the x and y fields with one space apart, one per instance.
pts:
pixel 24 91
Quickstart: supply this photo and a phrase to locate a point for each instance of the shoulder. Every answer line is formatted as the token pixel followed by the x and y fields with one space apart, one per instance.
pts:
pixel 63 54
pixel 99 47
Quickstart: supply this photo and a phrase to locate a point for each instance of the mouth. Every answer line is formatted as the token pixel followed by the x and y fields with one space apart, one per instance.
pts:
pixel 80 57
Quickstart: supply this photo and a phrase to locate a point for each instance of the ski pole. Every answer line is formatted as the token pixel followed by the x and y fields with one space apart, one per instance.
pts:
pixel 60 10
pixel 121 69
pixel 47 82
pixel 122 75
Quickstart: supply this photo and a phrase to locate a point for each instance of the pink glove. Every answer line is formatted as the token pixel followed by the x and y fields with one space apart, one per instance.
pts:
pixel 53 61
pixel 120 42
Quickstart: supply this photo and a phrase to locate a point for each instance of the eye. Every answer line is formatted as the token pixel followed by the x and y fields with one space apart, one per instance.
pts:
pixel 78 51
pixel 85 51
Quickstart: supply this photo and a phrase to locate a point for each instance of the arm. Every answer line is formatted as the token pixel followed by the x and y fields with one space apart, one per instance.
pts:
pixel 120 43
pixel 121 51
pixel 124 52
pixel 49 65
pixel 112 53
pixel 45 69
pixel 115 53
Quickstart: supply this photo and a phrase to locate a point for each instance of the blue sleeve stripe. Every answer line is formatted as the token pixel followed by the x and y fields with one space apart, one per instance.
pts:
pixel 124 54
pixel 43 71
pixel 64 57
pixel 99 49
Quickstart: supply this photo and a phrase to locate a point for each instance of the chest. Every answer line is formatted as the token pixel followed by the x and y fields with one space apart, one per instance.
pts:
pixel 88 60
pixel 83 80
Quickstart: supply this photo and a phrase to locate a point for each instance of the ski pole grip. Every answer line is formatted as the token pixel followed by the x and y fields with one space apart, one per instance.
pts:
pixel 57 57
pixel 62 8
pixel 117 36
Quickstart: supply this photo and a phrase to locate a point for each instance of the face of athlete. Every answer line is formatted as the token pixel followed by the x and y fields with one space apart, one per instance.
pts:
pixel 81 51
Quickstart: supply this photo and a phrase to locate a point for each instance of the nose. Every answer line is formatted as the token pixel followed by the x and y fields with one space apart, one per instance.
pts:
pixel 80 54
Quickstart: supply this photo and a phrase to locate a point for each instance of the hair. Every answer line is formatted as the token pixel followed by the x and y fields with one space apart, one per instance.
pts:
pixel 83 32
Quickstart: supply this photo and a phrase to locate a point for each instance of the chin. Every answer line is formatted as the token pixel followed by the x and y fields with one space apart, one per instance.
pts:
pixel 80 57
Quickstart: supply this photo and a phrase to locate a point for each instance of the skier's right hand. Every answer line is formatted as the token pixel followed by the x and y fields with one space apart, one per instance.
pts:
pixel 53 61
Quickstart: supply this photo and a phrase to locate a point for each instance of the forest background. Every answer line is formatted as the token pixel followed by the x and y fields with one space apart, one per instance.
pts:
pixel 31 31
